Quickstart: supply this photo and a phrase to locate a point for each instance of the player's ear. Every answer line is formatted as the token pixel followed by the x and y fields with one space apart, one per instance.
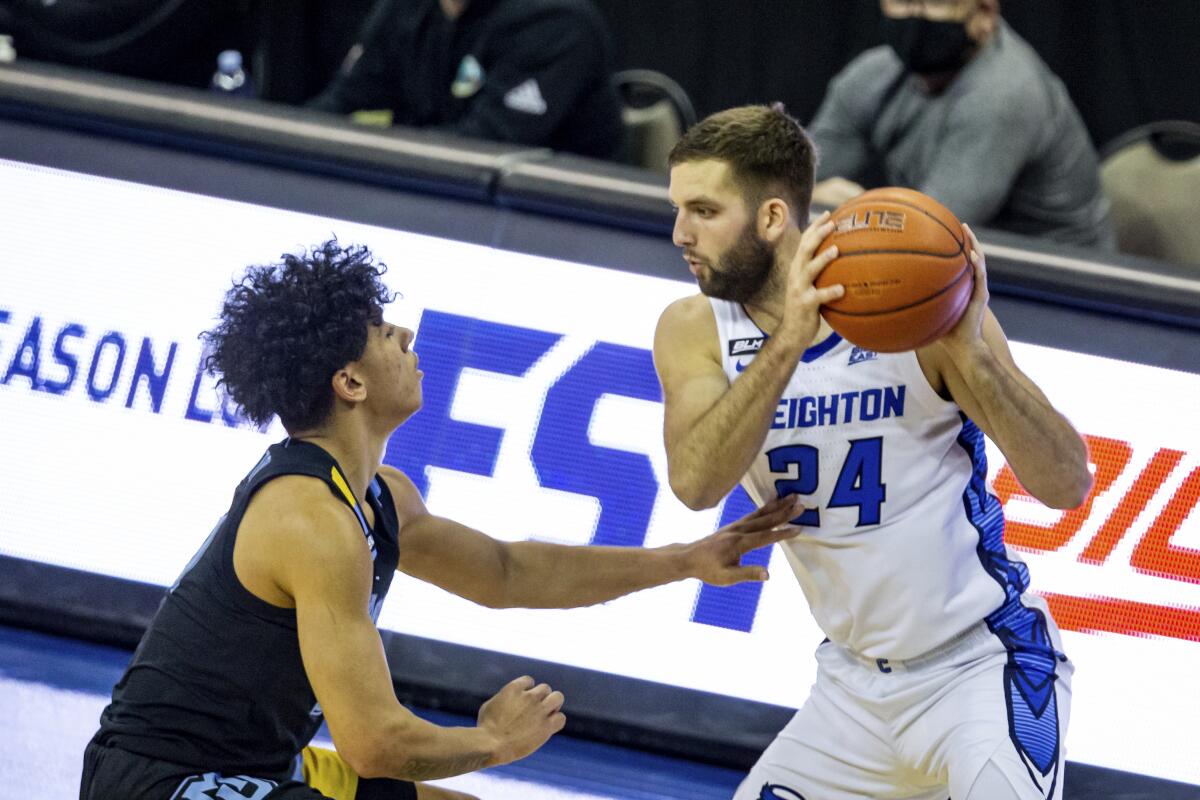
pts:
pixel 347 384
pixel 773 218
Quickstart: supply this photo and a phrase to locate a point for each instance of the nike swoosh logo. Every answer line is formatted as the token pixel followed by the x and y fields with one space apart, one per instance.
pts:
pixel 739 366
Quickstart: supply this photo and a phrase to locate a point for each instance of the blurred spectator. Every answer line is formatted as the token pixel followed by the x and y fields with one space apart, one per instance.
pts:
pixel 534 72
pixel 957 105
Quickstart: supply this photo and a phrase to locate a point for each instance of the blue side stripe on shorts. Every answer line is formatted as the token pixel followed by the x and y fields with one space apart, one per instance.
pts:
pixel 1029 676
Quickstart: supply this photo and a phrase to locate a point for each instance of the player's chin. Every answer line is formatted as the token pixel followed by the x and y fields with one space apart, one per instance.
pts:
pixel 412 402
pixel 708 288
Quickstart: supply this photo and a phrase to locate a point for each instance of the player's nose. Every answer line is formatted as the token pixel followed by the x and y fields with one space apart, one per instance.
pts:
pixel 680 234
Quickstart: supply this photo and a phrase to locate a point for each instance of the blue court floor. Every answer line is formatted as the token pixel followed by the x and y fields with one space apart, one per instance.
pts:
pixel 53 689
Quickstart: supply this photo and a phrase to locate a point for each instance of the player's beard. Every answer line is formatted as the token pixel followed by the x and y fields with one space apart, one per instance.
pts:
pixel 741 272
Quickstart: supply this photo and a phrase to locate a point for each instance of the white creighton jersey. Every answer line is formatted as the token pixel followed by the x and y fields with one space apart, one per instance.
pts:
pixel 903 542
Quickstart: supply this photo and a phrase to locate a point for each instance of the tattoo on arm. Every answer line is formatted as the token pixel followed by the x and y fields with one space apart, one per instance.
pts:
pixel 426 769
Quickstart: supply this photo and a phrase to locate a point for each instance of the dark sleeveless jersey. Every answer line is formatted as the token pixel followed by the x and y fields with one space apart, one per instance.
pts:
pixel 217 681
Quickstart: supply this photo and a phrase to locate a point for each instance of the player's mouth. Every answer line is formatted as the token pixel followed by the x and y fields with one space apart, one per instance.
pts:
pixel 694 264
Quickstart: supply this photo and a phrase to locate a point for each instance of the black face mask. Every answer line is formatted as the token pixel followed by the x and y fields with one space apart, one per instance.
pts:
pixel 926 46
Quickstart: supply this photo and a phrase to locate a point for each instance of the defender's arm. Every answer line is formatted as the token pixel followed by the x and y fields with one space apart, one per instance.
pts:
pixel 526 574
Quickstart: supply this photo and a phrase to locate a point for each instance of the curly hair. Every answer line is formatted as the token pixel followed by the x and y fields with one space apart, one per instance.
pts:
pixel 286 328
pixel 768 151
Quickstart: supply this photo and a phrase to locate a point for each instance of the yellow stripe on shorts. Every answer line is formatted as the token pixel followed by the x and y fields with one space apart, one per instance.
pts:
pixel 325 771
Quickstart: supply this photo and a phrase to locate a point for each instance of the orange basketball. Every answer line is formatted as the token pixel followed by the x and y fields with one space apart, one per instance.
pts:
pixel 903 260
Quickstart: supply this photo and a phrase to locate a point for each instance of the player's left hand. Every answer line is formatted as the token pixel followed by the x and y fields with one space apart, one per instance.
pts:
pixel 717 558
pixel 968 333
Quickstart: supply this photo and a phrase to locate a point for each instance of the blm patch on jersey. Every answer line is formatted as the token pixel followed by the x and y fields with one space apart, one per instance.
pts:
pixel 752 344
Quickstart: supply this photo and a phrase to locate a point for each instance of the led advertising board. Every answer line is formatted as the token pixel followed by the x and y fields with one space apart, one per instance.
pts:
pixel 542 420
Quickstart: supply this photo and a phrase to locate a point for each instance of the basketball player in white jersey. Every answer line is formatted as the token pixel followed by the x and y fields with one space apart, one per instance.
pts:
pixel 940 675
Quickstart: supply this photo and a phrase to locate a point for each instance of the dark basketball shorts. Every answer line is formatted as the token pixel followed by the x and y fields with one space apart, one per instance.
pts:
pixel 110 773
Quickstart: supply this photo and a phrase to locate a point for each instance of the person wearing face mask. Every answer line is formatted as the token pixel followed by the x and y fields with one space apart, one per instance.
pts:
pixel 957 105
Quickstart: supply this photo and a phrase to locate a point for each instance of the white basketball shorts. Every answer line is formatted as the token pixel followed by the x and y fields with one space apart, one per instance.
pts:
pixel 997 696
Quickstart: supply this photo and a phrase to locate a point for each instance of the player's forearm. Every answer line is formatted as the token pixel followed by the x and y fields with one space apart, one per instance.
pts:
pixel 541 575
pixel 1045 452
pixel 412 749
pixel 707 462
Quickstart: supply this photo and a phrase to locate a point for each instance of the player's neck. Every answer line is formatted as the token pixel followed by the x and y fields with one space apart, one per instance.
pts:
pixel 767 319
pixel 766 308
pixel 357 451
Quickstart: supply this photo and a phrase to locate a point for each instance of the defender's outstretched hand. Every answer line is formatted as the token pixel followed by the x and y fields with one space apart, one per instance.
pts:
pixel 716 558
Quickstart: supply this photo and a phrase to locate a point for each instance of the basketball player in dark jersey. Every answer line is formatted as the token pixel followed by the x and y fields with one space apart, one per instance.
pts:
pixel 271 627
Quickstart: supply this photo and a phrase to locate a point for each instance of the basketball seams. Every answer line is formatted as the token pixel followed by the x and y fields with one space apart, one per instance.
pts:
pixel 889 262
pixel 962 243
pixel 899 253
pixel 953 284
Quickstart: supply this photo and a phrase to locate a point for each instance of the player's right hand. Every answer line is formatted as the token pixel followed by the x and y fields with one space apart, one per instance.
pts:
pixel 522 717
pixel 802 301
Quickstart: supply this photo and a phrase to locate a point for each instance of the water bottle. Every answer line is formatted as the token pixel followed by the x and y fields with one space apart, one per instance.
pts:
pixel 231 77
pixel 8 54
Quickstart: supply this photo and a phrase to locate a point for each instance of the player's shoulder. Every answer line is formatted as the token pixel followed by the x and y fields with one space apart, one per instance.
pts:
pixel 693 311
pixel 399 484
pixel 687 324
pixel 296 507
pixel 295 490
pixel 405 495
pixel 686 334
